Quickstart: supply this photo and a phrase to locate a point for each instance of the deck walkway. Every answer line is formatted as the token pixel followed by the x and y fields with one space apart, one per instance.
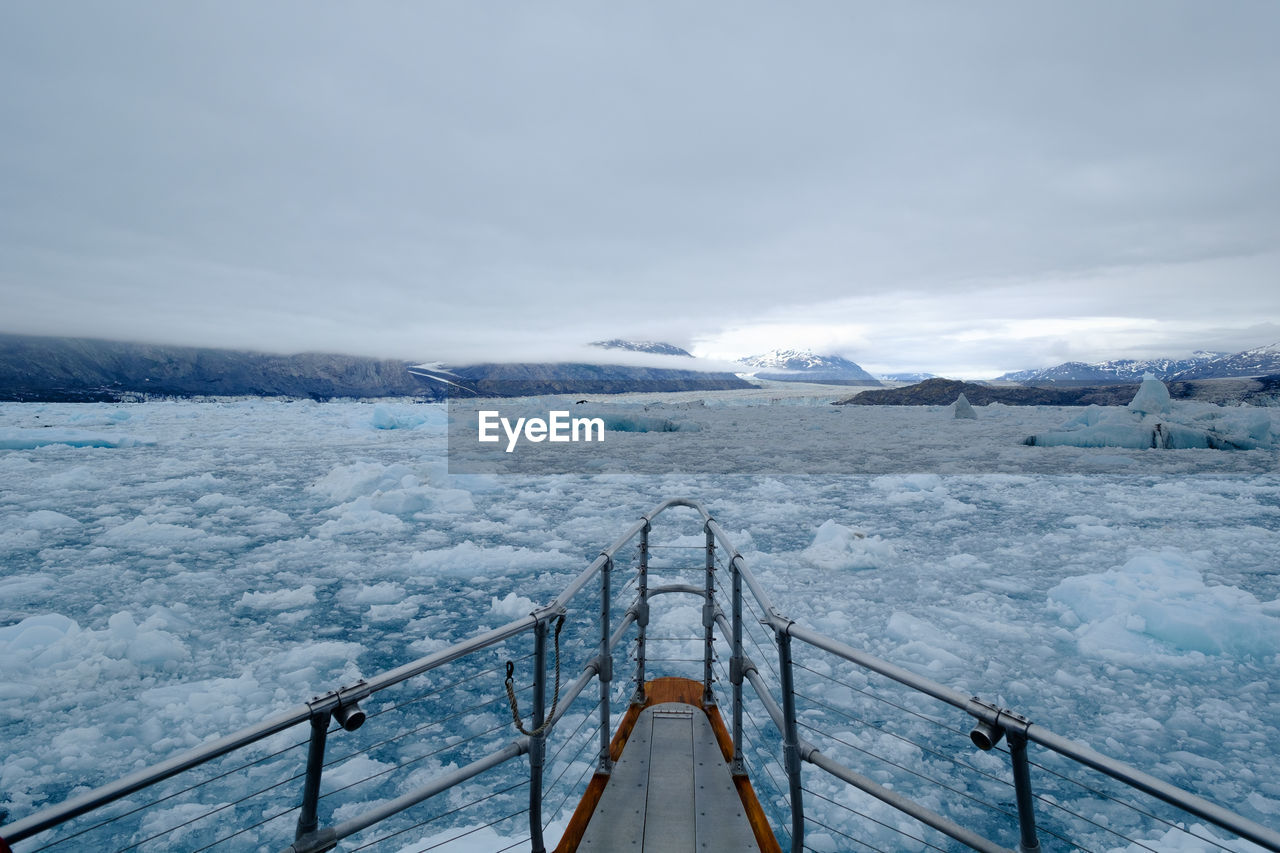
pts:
pixel 671 788
pixel 671 792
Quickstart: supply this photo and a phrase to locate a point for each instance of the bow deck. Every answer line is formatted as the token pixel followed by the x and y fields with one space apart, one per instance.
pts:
pixel 671 788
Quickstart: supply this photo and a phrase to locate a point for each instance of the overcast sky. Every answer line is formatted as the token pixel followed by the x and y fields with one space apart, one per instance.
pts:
pixel 959 188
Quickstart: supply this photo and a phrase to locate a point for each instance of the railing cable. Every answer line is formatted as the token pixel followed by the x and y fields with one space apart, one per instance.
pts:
pixel 413 760
pixel 672 660
pixel 440 690
pixel 569 763
pixel 196 819
pixel 569 737
pixel 866 816
pixel 993 807
pixel 180 792
pixel 877 697
pixel 772 756
pixel 765 658
pixel 455 715
pixel 923 747
pixel 569 791
pixel 959 763
pixel 845 835
pixel 1111 798
pixel 470 831
pixel 248 828
pixel 445 814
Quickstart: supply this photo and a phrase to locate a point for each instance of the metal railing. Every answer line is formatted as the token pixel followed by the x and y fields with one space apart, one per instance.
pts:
pixel 732 615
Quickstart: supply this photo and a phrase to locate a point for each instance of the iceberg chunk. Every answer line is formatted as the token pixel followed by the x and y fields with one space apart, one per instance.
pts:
pixel 1152 397
pixel 962 408
pixel 1152 421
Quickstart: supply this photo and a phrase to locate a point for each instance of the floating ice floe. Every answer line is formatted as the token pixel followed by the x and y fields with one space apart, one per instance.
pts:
pixel 962 408
pixel 50 643
pixel 1157 609
pixel 385 418
pixel 1153 421
pixel 512 607
pixel 282 599
pixel 22 438
pixel 838 547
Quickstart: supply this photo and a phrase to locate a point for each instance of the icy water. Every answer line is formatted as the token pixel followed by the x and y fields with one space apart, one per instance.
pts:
pixel 171 571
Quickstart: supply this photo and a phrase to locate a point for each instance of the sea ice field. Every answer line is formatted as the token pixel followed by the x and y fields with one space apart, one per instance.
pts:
pixel 172 571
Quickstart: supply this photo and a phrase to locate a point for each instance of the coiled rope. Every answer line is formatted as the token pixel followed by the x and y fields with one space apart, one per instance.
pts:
pixel 555 696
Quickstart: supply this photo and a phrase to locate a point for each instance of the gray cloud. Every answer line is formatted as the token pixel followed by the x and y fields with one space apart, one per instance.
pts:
pixel 445 180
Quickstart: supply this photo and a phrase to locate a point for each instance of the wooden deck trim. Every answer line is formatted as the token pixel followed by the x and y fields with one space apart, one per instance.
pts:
pixel 687 692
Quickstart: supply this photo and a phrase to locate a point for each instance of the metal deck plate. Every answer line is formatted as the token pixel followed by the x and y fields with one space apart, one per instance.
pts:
pixel 670 792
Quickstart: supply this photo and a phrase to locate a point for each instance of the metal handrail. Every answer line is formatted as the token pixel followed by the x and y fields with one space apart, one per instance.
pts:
pixel 324 839
pixel 1000 719
pixel 340 704
pixel 1007 720
pixel 343 697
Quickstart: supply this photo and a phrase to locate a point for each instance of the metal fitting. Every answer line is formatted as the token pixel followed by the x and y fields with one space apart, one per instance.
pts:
pixel 641 609
pixel 985 735
pixel 735 670
pixel 350 717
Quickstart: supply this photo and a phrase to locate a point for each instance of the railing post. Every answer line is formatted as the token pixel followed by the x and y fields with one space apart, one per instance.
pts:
pixel 1028 843
pixel 537 742
pixel 790 737
pixel 642 616
pixel 605 672
pixel 308 819
pixel 709 619
pixel 739 767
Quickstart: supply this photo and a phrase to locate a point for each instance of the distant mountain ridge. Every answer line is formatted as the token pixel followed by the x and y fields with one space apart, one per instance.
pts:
pixel 82 369
pixel 1259 361
pixel 805 366
pixel 1118 370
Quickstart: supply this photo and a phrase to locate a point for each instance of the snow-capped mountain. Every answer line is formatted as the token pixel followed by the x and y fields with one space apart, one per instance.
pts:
pixel 655 347
pixel 806 366
pixel 1018 375
pixel 1259 361
pixel 906 377
pixel 1117 370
